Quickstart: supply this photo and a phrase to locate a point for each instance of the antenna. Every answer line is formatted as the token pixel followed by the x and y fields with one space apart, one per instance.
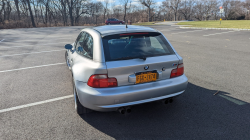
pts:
pixel 126 24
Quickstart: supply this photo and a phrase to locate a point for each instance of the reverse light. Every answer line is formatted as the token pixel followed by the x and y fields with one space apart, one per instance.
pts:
pixel 178 71
pixel 101 81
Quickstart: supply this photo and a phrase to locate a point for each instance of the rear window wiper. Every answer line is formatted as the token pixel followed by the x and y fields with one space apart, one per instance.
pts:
pixel 143 57
pixel 124 58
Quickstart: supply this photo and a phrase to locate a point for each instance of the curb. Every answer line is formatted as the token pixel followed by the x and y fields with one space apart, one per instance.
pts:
pixel 215 28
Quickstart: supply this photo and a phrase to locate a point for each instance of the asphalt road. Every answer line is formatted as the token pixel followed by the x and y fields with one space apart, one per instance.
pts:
pixel 33 70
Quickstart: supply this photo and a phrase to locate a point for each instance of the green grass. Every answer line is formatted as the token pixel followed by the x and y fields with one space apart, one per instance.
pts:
pixel 144 23
pixel 242 24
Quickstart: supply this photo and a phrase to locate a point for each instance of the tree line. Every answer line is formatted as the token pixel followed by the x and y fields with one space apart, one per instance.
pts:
pixel 46 13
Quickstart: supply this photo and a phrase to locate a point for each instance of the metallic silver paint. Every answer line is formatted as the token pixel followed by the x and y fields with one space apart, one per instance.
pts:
pixel 127 93
pixel 83 68
pixel 180 58
pixel 119 29
pixel 160 75
pixel 142 101
pixel 132 78
pixel 123 68
pixel 96 98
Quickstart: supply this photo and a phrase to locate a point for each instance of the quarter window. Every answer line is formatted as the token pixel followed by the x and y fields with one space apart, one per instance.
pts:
pixel 84 45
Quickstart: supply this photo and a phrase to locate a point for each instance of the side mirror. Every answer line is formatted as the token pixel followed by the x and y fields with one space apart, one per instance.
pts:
pixel 68 46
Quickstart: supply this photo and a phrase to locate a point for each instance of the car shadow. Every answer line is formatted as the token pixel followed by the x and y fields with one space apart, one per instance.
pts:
pixel 196 114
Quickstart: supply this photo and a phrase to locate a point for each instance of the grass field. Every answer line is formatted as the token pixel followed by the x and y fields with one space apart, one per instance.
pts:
pixel 241 24
pixel 144 23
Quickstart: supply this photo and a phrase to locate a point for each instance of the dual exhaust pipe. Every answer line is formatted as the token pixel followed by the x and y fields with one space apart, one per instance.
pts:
pixel 124 110
pixel 168 100
pixel 128 110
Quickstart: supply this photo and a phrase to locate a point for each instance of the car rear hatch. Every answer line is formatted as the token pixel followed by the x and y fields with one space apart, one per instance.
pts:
pixel 137 58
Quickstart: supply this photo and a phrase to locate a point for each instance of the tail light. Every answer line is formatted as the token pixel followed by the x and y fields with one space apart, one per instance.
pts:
pixel 101 81
pixel 178 71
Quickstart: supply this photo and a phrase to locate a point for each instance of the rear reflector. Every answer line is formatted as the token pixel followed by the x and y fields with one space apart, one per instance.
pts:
pixel 177 72
pixel 101 81
pixel 133 34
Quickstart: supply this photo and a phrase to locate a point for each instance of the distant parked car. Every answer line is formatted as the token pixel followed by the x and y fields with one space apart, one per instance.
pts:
pixel 113 21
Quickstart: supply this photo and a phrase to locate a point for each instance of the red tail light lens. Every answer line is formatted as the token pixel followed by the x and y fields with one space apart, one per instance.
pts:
pixel 177 72
pixel 101 81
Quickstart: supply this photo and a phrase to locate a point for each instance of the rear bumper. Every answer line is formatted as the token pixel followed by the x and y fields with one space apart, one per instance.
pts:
pixel 109 99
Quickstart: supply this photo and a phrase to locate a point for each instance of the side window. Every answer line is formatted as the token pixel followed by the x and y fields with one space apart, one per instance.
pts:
pixel 84 45
pixel 77 39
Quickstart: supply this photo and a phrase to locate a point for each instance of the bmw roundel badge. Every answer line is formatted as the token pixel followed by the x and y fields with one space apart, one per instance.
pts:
pixel 146 67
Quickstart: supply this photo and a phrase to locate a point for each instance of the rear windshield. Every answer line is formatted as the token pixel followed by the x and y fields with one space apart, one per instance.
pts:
pixel 135 45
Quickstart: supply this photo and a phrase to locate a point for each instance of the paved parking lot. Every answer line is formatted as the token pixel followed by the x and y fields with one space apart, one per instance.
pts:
pixel 36 100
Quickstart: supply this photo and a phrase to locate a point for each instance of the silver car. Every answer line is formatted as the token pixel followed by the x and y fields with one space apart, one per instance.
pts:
pixel 116 67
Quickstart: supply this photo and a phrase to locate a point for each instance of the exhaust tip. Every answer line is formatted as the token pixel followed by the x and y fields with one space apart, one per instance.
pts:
pixel 121 110
pixel 171 100
pixel 129 110
pixel 165 101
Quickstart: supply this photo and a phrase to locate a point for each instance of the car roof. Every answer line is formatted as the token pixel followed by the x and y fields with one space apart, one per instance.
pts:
pixel 116 29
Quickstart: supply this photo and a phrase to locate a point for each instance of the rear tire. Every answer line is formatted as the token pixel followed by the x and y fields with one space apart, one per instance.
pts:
pixel 120 23
pixel 80 109
pixel 108 23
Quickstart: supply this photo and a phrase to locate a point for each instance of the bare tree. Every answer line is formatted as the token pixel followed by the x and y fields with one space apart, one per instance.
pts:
pixel 126 4
pixel 37 13
pixel 186 9
pixel 1 11
pixel 96 10
pixel 77 8
pixel 17 8
pixel 233 9
pixel 31 14
pixel 117 11
pixel 247 6
pixel 149 4
pixel 105 9
pixel 46 4
pixel 62 7
pixel 174 5
pixel 208 7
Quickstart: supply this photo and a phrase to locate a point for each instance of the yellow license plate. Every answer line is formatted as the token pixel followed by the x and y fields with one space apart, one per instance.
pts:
pixel 146 77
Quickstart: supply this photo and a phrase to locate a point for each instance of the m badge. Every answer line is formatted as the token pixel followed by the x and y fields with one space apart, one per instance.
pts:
pixel 174 64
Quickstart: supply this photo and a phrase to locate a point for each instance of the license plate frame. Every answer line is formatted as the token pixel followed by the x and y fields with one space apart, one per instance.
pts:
pixel 146 76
